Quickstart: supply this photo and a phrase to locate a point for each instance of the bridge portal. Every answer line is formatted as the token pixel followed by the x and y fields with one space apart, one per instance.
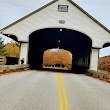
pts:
pixel 76 42
pixel 63 24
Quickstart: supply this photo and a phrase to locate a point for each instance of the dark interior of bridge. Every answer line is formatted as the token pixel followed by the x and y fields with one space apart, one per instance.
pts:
pixel 76 42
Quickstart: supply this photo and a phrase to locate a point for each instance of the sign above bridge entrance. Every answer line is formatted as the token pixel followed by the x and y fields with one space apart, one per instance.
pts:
pixel 63 8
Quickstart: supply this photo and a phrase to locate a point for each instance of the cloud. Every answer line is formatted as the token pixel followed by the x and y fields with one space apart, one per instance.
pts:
pixel 92 2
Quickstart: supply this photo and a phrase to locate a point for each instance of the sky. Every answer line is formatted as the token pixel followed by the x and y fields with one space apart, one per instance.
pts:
pixel 12 10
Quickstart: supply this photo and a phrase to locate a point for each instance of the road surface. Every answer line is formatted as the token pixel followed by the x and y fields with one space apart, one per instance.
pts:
pixel 43 90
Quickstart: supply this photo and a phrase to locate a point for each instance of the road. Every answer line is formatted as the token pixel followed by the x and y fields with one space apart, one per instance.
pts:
pixel 43 90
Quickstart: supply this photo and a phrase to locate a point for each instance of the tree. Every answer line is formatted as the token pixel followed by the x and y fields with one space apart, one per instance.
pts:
pixel 58 58
pixel 2 49
pixel 104 63
pixel 13 49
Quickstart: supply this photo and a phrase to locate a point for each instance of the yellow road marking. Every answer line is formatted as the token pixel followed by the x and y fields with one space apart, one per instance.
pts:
pixel 62 94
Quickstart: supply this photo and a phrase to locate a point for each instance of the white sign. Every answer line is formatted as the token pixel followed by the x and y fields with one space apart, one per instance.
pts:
pixel 63 8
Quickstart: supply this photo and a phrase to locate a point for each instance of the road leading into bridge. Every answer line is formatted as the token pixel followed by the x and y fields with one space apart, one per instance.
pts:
pixel 42 90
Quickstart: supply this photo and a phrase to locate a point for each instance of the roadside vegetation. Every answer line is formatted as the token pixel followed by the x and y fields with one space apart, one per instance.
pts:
pixel 10 49
pixel 104 63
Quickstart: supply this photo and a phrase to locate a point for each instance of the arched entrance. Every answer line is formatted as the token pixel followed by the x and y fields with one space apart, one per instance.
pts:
pixel 76 42
pixel 57 59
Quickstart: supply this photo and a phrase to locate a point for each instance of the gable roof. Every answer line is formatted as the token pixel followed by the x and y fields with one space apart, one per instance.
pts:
pixel 39 9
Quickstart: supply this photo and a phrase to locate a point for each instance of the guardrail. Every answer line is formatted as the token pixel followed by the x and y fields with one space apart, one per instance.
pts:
pixel 13 68
pixel 2 60
pixel 99 75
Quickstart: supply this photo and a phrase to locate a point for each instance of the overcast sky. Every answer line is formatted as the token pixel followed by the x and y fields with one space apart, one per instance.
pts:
pixel 12 10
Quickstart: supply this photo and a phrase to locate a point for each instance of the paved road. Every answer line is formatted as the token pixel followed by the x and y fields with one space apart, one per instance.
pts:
pixel 42 90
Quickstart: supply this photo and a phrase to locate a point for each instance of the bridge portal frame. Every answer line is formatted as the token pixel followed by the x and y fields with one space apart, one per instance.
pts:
pixel 48 16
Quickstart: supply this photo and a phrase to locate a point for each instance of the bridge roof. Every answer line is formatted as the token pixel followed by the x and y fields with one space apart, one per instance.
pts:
pixel 39 9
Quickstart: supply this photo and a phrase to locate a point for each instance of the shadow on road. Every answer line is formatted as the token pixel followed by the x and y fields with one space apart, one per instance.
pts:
pixel 75 71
